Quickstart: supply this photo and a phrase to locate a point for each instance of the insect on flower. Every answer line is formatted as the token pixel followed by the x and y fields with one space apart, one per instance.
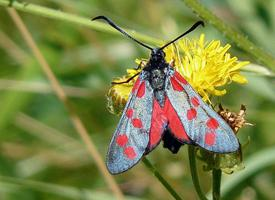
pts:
pixel 164 106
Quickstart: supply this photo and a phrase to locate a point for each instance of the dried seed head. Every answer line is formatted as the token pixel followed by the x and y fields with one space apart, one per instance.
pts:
pixel 235 120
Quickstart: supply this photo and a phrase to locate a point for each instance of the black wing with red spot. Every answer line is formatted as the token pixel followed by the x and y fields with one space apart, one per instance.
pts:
pixel 201 123
pixel 131 137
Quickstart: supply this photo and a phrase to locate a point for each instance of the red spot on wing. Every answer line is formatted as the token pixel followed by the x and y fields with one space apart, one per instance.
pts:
pixel 136 85
pixel 176 85
pixel 195 101
pixel 141 90
pixel 191 114
pixel 212 123
pixel 129 112
pixel 158 123
pixel 180 78
pixel 122 140
pixel 210 138
pixel 174 122
pixel 137 123
pixel 130 152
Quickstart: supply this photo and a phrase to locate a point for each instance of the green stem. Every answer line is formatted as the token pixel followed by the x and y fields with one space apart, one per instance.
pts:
pixel 194 173
pixel 83 21
pixel 217 176
pixel 237 37
pixel 161 179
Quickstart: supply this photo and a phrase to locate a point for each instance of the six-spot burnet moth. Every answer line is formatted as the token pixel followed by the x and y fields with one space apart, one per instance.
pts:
pixel 164 106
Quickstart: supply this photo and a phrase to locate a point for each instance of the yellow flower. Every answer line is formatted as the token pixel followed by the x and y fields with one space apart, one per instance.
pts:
pixel 207 66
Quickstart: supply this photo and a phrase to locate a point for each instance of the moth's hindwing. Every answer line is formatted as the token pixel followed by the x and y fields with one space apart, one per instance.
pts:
pixel 131 137
pixel 201 123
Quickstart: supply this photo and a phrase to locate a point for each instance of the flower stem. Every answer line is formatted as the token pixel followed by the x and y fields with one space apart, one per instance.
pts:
pixel 75 19
pixel 161 179
pixel 237 37
pixel 217 176
pixel 194 173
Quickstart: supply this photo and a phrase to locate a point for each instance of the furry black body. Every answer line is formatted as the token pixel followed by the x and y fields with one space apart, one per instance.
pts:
pixel 157 68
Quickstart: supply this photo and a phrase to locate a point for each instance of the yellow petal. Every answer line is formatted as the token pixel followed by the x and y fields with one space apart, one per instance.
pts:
pixel 238 78
pixel 219 92
pixel 239 65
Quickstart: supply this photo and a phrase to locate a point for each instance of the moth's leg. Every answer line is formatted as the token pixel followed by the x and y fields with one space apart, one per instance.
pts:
pixel 141 65
pixel 138 67
pixel 172 63
pixel 126 81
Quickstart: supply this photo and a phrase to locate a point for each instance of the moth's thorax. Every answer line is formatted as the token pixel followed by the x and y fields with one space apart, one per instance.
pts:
pixel 157 77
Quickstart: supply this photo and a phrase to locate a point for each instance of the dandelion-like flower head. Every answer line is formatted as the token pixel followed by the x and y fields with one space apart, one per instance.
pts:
pixel 206 66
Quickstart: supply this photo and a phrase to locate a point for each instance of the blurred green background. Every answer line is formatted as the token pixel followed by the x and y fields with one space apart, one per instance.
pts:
pixel 41 155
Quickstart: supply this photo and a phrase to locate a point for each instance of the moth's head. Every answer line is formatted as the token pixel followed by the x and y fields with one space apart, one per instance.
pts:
pixel 157 55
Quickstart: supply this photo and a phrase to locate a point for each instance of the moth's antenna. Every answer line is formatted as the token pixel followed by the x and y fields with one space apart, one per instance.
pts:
pixel 188 31
pixel 120 30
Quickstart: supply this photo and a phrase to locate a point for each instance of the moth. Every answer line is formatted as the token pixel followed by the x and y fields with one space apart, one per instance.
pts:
pixel 163 106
